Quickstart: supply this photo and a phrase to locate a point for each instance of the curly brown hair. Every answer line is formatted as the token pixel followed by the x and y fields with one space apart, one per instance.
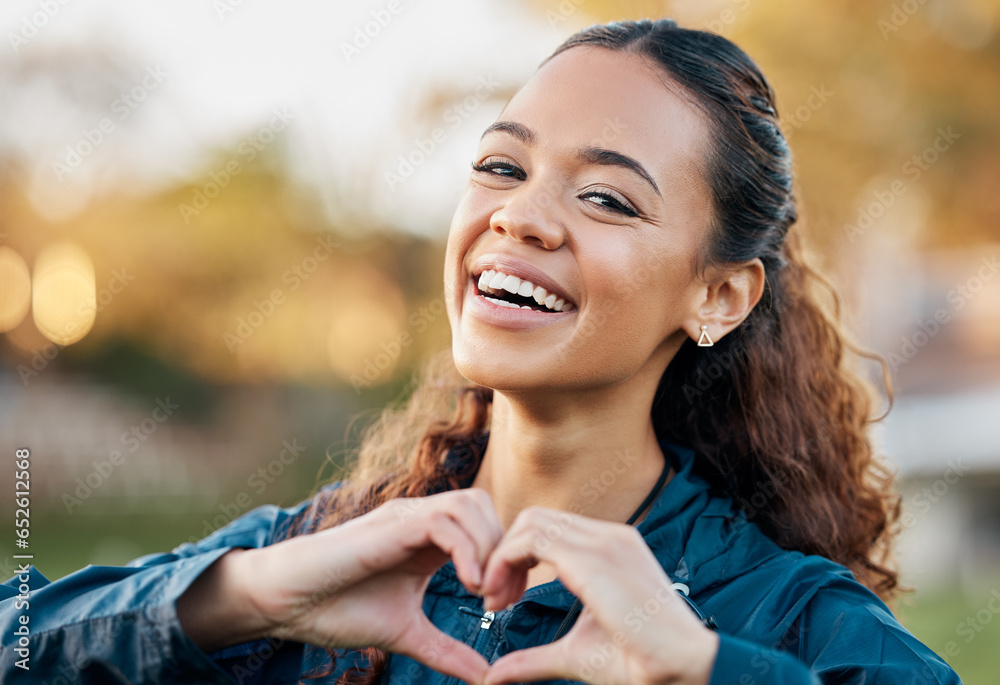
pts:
pixel 777 412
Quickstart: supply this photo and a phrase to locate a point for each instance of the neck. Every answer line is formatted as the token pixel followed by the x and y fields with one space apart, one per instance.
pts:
pixel 589 453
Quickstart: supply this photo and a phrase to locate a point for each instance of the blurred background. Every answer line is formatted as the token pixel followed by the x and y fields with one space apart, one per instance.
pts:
pixel 222 227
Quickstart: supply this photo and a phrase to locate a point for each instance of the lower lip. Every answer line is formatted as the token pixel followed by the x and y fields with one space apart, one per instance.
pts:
pixel 508 317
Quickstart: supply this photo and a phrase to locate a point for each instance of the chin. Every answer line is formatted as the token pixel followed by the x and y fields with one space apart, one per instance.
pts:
pixel 504 371
pixel 509 370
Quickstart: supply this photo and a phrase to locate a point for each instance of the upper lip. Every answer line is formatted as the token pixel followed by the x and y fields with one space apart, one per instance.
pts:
pixel 523 270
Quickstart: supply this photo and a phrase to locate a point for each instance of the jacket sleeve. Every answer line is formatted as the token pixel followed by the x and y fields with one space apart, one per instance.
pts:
pixel 109 624
pixel 845 635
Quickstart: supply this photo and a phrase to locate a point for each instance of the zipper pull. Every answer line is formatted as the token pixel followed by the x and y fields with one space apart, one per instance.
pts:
pixel 486 620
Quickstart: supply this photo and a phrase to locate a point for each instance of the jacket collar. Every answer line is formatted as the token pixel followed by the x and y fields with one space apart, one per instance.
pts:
pixel 693 533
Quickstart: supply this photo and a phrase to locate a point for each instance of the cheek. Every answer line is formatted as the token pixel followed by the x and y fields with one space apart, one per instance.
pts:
pixel 470 220
pixel 468 224
pixel 459 237
pixel 636 294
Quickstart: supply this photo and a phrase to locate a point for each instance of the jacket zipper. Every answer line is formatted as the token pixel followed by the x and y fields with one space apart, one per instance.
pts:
pixel 485 623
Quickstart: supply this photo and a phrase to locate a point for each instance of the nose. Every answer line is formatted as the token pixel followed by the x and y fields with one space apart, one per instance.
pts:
pixel 531 215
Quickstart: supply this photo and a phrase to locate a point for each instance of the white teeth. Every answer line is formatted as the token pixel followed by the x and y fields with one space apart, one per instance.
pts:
pixel 503 303
pixel 511 284
pixel 491 280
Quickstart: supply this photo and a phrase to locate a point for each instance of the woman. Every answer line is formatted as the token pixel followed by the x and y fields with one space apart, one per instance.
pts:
pixel 654 416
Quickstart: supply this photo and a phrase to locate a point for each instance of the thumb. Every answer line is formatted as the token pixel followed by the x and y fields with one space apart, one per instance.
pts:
pixel 433 648
pixel 548 662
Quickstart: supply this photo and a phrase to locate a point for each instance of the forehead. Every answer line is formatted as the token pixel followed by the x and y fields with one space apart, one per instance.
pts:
pixel 592 96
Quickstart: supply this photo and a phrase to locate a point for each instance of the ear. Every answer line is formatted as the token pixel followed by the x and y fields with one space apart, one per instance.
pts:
pixel 727 296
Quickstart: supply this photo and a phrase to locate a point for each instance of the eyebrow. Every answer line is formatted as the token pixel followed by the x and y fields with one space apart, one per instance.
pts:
pixel 600 155
pixel 592 155
pixel 519 131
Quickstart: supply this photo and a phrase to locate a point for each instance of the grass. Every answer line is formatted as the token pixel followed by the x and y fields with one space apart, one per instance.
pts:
pixel 964 629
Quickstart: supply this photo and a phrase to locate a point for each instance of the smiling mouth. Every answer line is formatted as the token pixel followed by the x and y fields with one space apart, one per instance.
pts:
pixel 518 293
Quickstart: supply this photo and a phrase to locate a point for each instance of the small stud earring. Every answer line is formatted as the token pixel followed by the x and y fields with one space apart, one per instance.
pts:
pixel 705 340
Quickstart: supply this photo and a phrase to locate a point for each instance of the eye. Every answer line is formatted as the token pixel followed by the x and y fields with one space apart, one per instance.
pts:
pixel 498 166
pixel 611 201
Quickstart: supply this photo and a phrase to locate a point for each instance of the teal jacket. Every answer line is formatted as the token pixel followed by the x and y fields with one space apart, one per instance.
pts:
pixel 783 618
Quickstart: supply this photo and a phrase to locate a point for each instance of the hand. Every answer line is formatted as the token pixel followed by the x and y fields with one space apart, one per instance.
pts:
pixel 362 583
pixel 634 629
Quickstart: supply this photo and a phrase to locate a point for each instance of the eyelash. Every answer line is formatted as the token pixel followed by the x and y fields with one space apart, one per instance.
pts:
pixel 614 204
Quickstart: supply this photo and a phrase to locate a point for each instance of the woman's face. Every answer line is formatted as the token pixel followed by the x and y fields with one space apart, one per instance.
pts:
pixel 590 187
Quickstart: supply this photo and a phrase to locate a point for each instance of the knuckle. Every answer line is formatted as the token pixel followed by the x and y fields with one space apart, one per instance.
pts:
pixel 436 518
pixel 480 496
pixel 532 516
pixel 625 539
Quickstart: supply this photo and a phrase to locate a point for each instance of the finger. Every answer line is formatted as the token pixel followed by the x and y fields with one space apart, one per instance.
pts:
pixel 587 554
pixel 450 537
pixel 473 510
pixel 437 650
pixel 548 662
pixel 504 581
pixel 534 536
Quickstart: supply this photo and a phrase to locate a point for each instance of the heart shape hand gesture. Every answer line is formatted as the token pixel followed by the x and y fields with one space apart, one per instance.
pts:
pixel 361 584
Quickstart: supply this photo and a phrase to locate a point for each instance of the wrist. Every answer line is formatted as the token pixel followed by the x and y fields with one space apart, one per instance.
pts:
pixel 696 668
pixel 217 610
pixel 243 566
pixel 702 670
